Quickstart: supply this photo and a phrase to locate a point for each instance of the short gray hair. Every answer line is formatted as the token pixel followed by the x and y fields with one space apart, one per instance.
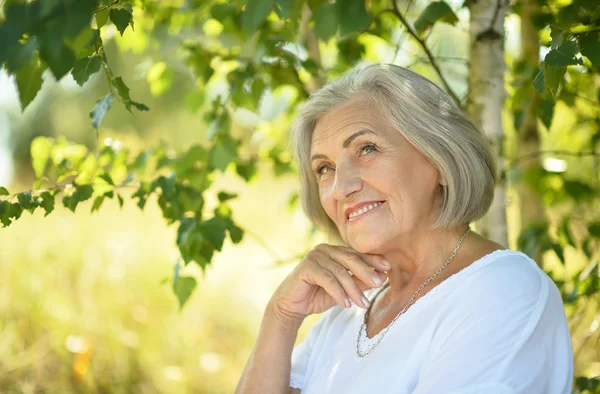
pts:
pixel 427 117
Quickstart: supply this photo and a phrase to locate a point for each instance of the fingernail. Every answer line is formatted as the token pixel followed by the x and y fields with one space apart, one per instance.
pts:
pixel 376 280
pixel 386 264
pixel 365 301
pixel 347 302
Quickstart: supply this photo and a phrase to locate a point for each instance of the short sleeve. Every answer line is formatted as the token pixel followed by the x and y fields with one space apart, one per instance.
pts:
pixel 302 353
pixel 506 333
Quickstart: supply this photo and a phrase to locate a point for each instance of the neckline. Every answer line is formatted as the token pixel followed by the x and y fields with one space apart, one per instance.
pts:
pixel 421 301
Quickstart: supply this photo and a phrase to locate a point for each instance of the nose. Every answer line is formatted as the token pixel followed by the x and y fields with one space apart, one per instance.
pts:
pixel 347 184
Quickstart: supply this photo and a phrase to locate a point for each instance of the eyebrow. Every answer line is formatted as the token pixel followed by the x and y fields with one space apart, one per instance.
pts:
pixel 345 144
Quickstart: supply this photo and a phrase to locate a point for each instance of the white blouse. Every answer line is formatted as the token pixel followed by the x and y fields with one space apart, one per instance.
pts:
pixel 497 326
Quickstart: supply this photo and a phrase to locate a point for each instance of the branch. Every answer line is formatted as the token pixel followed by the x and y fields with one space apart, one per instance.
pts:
pixel 592 30
pixel 423 44
pixel 106 7
pixel 61 188
pixel 398 45
pixel 515 162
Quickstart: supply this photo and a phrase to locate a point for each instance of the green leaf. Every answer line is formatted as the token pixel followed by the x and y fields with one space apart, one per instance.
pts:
pixel 547 112
pixel 71 202
pixel 285 8
pixel 123 91
pixel 590 47
pixel 102 18
pixel 579 190
pixel 40 153
pixel 167 185
pixel 214 231
pixel 121 201
pixel 255 14
pixel 83 68
pixel 352 16
pixel 4 210
pixel 60 59
pixel 326 21
pixel 224 196
pixel 47 202
pixel 535 239
pixel 557 37
pixel 538 82
pixel 315 4
pixel 184 238
pixel 552 78
pixel 438 10
pixel 222 11
pixel 15 211
pixel 107 178
pixel 235 233
pixel 596 14
pixel 140 194
pixel 97 203
pixel 85 192
pixel 594 229
pixel 85 43
pixel 21 55
pixel 184 288
pixel 82 193
pixel 122 18
pixel 246 170
pixel 29 81
pixel 562 56
pixel 25 199
pixel 3 191
pixel 100 109
pixel 559 252
pixel 139 106
pixel 222 154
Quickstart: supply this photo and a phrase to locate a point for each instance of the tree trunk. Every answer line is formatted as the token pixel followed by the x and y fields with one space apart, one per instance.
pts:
pixel 486 97
pixel 531 205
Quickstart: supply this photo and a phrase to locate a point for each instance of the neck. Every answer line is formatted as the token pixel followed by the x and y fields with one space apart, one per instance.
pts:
pixel 418 256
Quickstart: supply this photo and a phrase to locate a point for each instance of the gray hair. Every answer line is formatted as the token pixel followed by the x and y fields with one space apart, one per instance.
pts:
pixel 428 118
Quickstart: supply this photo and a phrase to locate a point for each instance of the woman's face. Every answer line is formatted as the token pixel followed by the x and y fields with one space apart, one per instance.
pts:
pixel 360 161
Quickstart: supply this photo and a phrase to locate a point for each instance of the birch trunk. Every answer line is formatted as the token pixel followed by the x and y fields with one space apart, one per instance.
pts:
pixel 531 205
pixel 486 97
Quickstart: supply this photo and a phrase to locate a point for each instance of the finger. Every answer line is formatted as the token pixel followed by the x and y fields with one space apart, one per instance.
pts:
pixel 347 281
pixel 327 280
pixel 368 286
pixel 377 261
pixel 359 267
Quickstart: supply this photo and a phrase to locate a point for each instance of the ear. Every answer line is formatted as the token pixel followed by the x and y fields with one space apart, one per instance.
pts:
pixel 441 180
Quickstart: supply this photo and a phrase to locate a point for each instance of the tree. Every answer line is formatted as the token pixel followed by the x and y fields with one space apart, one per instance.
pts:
pixel 257 48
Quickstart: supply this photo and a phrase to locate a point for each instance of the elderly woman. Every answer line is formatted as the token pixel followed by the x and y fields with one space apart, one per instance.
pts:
pixel 414 301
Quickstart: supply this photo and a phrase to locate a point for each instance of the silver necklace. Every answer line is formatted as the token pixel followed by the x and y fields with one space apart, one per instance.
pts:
pixel 410 302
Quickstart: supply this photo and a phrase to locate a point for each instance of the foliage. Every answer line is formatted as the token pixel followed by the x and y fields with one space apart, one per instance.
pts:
pixel 259 48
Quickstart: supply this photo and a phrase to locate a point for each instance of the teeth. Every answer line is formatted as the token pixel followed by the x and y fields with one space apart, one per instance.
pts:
pixel 363 210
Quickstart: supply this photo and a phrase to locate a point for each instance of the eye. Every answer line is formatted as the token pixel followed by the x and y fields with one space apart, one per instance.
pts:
pixel 320 170
pixel 368 148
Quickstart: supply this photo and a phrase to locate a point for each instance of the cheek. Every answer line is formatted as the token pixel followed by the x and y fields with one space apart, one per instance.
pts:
pixel 328 203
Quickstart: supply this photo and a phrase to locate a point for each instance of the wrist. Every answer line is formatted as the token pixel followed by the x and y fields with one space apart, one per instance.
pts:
pixel 287 321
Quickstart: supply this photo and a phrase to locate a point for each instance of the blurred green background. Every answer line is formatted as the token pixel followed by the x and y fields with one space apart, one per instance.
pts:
pixel 86 302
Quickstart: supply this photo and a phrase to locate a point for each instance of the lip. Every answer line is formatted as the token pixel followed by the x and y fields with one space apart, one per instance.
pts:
pixel 356 207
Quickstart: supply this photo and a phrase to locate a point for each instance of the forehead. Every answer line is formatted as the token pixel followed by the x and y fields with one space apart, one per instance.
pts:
pixel 358 114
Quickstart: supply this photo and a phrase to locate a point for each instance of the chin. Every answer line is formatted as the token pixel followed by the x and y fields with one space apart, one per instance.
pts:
pixel 368 244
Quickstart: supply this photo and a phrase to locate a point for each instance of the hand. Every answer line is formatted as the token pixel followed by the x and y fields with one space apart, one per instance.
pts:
pixel 321 280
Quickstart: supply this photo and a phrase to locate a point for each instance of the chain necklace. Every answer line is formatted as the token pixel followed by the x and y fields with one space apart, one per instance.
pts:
pixel 410 302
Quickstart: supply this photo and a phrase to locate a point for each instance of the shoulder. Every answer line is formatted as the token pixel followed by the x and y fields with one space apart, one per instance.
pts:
pixel 500 299
pixel 504 288
pixel 506 274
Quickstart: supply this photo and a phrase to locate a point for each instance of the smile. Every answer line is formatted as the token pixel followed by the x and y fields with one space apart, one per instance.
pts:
pixel 363 211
